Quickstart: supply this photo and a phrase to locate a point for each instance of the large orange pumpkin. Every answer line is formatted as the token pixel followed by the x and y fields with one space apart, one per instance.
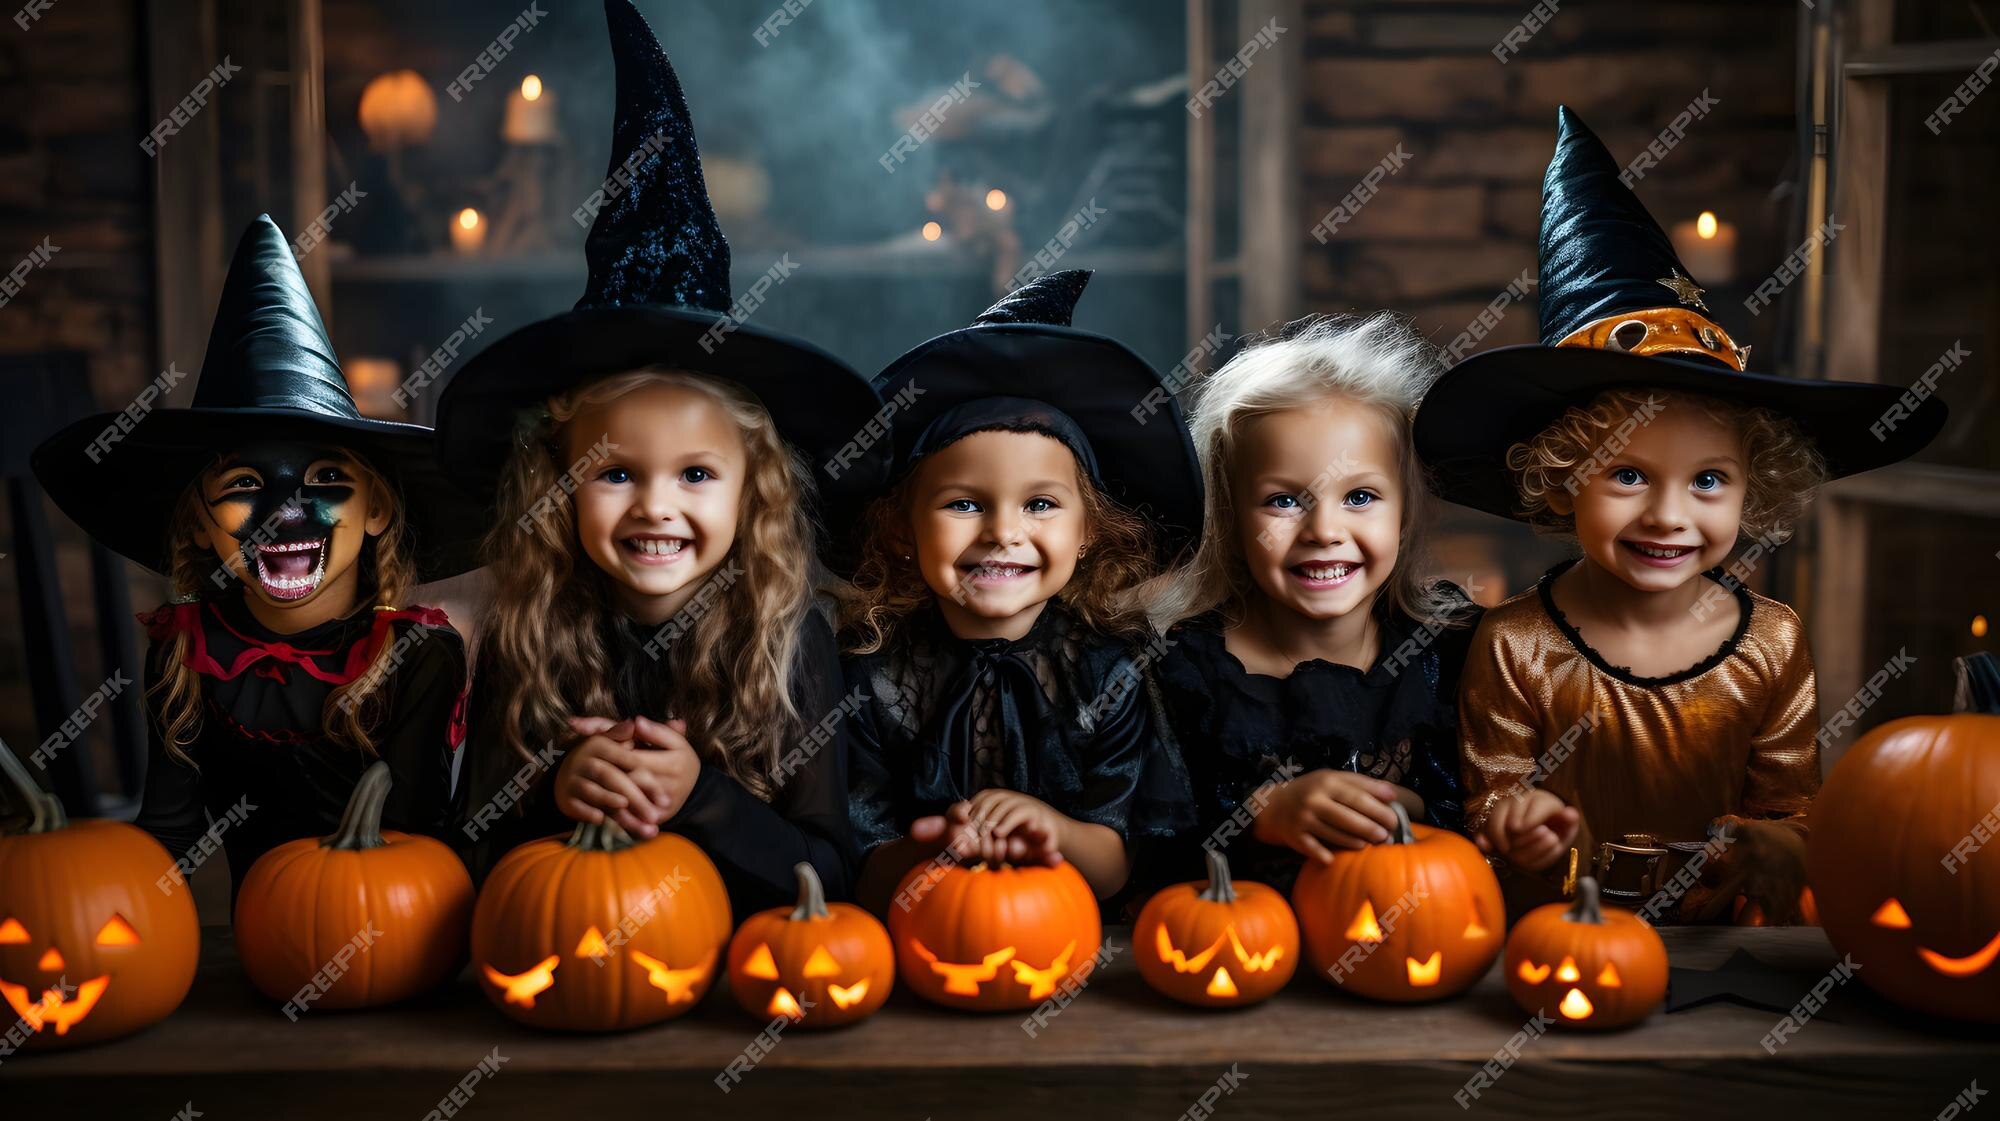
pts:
pixel 91 948
pixel 990 939
pixel 403 902
pixel 1219 945
pixel 1418 917
pixel 1902 855
pixel 817 965
pixel 596 932
pixel 1586 967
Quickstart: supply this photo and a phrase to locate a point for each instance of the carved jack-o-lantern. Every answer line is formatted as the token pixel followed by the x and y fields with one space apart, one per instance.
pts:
pixel 1222 945
pixel 1902 857
pixel 304 900
pixel 1586 967
pixel 598 933
pixel 816 964
pixel 988 939
pixel 90 947
pixel 1418 917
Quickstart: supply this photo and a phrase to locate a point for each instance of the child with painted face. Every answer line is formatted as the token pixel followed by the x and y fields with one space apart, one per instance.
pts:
pixel 1639 702
pixel 1007 716
pixel 651 655
pixel 1312 675
pixel 291 530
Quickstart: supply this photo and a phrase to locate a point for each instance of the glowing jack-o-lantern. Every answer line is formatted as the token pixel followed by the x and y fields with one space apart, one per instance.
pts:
pixel 988 939
pixel 1418 917
pixel 1584 966
pixel 818 965
pixel 597 932
pixel 90 947
pixel 1902 859
pixel 1219 945
pixel 304 900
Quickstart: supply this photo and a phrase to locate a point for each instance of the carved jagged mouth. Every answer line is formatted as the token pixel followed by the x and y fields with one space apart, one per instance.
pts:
pixel 53 1007
pixel 288 569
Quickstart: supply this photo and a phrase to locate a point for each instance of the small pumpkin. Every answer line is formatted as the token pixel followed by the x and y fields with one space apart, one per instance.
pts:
pixel 992 938
pixel 306 900
pixel 90 947
pixel 1219 945
pixel 1417 917
pixel 1584 966
pixel 597 932
pixel 1903 855
pixel 819 966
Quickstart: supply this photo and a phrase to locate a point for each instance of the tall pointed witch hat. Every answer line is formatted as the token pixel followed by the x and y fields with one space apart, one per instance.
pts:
pixel 269 373
pixel 658 295
pixel 1618 310
pixel 1021 359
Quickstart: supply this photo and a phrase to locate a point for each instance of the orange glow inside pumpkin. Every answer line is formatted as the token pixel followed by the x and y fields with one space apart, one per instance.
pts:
pixel 1042 982
pixel 1221 985
pixel 1607 978
pixel 54 1007
pixel 1532 973
pixel 1180 961
pixel 678 984
pixel 117 932
pixel 821 964
pixel 52 961
pixel 522 988
pixel 783 1004
pixel 591 945
pixel 1567 971
pixel 1364 928
pixel 961 979
pixel 1425 973
pixel 12 933
pixel 1892 915
pixel 850 996
pixel 1576 1006
pixel 1254 963
pixel 1965 966
pixel 761 965
pixel 1473 930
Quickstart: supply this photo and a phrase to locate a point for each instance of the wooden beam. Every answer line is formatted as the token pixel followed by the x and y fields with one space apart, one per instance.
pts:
pixel 1270 190
pixel 308 133
pixel 188 262
pixel 1200 179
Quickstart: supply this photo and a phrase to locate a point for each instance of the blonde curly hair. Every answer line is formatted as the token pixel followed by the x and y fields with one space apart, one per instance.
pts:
pixel 1782 467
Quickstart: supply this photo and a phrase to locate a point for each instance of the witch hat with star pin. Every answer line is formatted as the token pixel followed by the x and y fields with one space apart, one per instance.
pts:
pixel 658 295
pixel 269 374
pixel 1619 311
pixel 1022 366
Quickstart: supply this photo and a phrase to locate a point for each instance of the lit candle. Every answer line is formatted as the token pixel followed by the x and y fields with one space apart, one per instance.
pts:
pixel 1707 248
pixel 531 114
pixel 996 199
pixel 468 231
pixel 933 231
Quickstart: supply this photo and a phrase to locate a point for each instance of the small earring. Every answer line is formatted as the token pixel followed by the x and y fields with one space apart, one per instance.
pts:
pixel 1080 550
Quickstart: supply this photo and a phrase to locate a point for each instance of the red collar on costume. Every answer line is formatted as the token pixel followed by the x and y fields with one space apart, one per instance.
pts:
pixel 186 619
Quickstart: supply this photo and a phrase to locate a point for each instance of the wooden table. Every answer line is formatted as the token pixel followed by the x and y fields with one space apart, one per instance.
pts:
pixel 1116 1050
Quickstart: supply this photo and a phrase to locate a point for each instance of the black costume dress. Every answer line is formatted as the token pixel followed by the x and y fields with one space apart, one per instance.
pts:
pixel 755 844
pixel 1398 722
pixel 1061 714
pixel 267 773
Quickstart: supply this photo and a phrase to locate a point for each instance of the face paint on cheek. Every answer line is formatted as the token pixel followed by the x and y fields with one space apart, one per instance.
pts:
pixel 287 531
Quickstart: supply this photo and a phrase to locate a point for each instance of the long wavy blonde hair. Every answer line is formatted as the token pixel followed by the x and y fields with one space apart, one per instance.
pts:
pixel 1377 362
pixel 352 711
pixel 542 655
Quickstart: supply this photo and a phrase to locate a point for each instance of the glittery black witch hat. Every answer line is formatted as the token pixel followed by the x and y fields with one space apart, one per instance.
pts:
pixel 1618 310
pixel 1021 365
pixel 269 374
pixel 658 295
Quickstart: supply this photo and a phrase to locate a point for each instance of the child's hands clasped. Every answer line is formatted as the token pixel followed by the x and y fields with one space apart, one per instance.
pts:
pixel 637 772
pixel 1325 810
pixel 996 826
pixel 1531 830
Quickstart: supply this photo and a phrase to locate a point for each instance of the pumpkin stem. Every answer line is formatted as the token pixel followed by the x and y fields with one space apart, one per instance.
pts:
pixel 1587 908
pixel 361 823
pixel 1220 889
pixel 812 896
pixel 604 836
pixel 1401 835
pixel 1978 684
pixel 45 810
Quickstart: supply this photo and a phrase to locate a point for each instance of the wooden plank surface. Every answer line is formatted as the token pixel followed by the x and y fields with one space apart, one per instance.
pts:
pixel 1117 1049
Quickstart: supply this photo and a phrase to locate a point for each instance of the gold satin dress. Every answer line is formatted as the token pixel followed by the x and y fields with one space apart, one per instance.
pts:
pixel 1733 734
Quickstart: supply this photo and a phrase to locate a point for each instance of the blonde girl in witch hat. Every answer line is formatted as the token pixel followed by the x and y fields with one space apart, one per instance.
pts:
pixel 651 654
pixel 1639 701
pixel 291 530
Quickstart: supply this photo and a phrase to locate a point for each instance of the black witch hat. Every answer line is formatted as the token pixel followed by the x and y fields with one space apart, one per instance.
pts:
pixel 658 295
pixel 1021 365
pixel 1618 310
pixel 269 373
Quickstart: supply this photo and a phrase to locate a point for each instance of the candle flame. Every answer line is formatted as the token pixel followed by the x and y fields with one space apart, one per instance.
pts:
pixel 531 87
pixel 933 231
pixel 1704 226
pixel 468 219
pixel 996 199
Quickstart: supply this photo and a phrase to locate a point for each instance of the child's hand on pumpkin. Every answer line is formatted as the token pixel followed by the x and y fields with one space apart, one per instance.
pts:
pixel 1531 830
pixel 1764 862
pixel 1019 829
pixel 1325 810
pixel 600 778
